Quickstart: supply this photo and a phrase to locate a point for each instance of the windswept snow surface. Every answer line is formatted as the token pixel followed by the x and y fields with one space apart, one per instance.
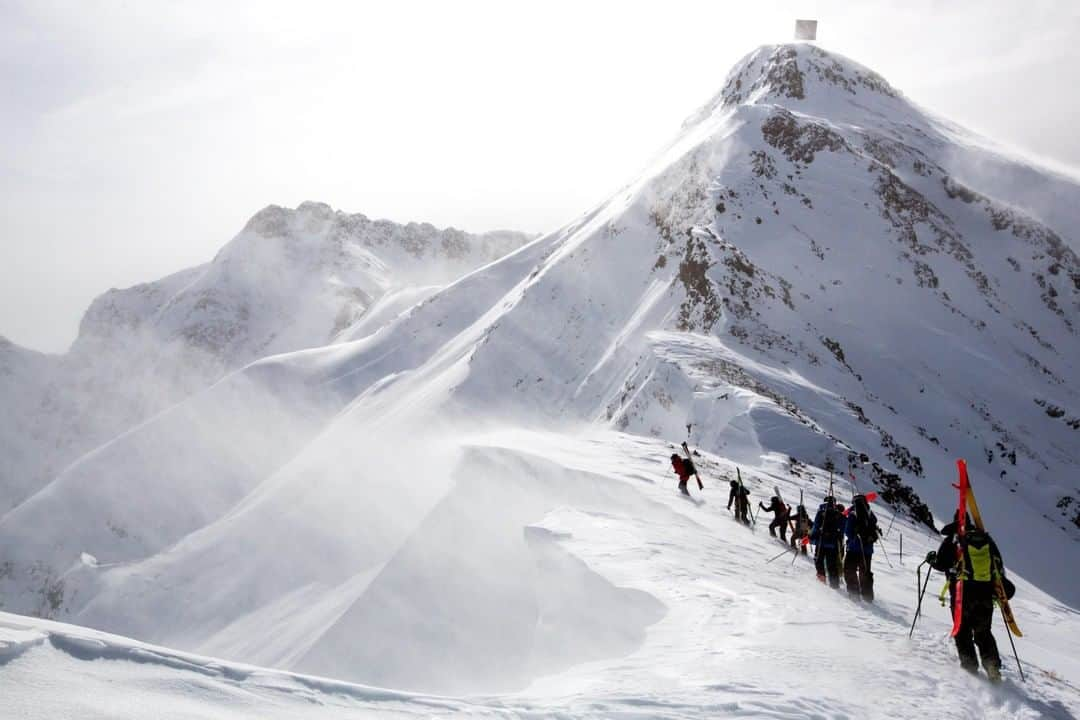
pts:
pixel 468 494
pixel 678 616
pixel 291 279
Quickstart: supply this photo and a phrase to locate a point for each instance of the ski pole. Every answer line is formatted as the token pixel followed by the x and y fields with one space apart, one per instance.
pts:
pixel 890 525
pixel 918 607
pixel 785 552
pixel 901 548
pixel 886 556
pixel 1017 657
pixel 795 555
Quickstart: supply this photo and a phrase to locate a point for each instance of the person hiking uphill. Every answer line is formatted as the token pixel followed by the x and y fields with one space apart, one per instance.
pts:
pixel 826 536
pixel 741 497
pixel 862 531
pixel 980 564
pixel 684 468
pixel 802 527
pixel 781 513
pixel 840 547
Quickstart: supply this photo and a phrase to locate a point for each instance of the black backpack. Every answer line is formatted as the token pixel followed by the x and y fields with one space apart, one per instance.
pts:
pixel 830 523
pixel 865 522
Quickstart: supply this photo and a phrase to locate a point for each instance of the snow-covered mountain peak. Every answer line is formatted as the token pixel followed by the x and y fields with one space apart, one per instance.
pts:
pixel 291 279
pixel 806 78
pixel 314 223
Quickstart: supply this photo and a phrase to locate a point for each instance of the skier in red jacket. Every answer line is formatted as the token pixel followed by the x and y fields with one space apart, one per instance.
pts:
pixel 684 469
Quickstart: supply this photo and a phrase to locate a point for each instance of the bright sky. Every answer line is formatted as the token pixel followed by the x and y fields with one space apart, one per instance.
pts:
pixel 139 136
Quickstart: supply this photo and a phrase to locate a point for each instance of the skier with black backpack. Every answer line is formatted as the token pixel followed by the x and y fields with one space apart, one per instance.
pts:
pixel 741 497
pixel 978 565
pixel 781 513
pixel 862 531
pixel 843 518
pixel 684 468
pixel 826 534
pixel 801 527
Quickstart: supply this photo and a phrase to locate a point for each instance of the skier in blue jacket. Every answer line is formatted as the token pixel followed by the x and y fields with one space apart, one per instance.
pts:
pixel 826 537
pixel 861 530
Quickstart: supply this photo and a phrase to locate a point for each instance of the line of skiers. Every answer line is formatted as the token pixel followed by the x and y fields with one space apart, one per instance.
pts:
pixel 844 539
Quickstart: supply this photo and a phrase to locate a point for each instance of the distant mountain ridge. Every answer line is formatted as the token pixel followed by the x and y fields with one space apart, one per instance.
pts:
pixel 291 279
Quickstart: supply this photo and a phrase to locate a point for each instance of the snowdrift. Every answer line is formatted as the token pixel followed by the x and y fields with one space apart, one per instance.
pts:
pixel 638 602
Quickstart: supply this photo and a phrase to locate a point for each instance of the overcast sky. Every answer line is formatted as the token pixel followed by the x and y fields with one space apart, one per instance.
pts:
pixel 139 136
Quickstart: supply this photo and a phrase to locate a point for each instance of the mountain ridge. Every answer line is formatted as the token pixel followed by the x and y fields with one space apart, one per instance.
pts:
pixel 290 279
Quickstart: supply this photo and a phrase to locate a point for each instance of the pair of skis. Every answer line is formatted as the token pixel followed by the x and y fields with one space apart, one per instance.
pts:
pixel 686 449
pixel 967 504
pixel 690 459
pixel 744 497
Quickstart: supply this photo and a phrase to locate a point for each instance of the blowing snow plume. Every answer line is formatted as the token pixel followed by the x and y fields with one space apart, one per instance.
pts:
pixel 292 279
pixel 474 500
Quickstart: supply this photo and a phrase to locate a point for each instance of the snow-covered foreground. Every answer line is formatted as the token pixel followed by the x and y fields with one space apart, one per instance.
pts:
pixel 676 614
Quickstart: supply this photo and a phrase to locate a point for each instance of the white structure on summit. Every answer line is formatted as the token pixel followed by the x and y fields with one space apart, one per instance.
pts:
pixel 806 29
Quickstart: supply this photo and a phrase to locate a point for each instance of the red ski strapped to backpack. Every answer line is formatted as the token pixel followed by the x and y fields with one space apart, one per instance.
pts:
pixel 961 520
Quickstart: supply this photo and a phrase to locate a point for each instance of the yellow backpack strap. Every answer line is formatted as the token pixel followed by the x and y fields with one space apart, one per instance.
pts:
pixel 944 590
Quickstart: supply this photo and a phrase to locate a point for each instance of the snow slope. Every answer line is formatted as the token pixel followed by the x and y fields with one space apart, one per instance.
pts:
pixel 724 635
pixel 467 499
pixel 291 279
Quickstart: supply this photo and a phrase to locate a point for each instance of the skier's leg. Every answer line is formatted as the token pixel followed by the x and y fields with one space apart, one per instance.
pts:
pixel 832 564
pixel 819 563
pixel 783 530
pixel 773 525
pixel 851 573
pixel 965 644
pixel 866 579
pixel 982 620
pixel 682 487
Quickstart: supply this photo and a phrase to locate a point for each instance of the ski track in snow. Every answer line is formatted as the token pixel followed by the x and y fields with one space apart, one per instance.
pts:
pixel 740 638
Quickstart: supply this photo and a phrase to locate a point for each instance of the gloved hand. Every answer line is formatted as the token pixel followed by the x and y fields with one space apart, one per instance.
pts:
pixel 931 557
